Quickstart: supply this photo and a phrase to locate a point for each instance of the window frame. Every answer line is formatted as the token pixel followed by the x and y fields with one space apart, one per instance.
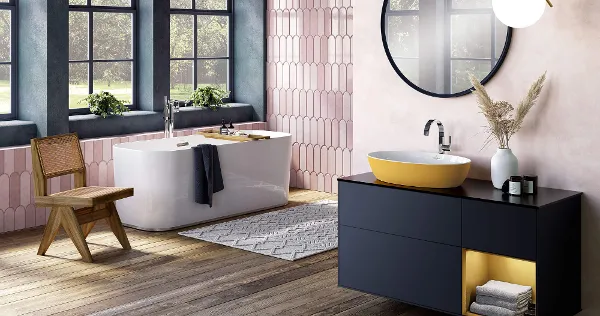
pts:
pixel 195 13
pixel 91 9
pixel 12 6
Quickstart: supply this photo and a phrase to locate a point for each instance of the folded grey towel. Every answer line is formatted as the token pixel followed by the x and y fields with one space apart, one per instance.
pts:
pixel 489 310
pixel 513 306
pixel 506 291
pixel 208 175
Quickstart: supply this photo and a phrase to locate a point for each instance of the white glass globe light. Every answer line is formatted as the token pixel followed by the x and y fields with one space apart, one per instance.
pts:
pixel 519 13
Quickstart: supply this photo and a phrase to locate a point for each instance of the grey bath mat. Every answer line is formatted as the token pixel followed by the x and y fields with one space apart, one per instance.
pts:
pixel 289 234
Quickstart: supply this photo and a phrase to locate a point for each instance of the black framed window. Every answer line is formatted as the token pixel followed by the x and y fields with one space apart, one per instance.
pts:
pixel 102 50
pixel 8 53
pixel 462 53
pixel 201 49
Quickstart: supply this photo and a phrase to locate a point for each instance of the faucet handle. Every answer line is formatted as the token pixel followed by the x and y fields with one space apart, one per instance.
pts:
pixel 445 147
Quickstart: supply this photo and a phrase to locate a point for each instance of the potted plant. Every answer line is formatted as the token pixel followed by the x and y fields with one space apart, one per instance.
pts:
pixel 105 104
pixel 504 121
pixel 209 97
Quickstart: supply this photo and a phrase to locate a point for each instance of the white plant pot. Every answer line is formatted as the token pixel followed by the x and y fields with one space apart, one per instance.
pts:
pixel 504 165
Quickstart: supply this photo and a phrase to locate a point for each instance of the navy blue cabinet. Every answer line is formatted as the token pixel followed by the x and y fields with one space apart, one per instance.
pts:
pixel 409 243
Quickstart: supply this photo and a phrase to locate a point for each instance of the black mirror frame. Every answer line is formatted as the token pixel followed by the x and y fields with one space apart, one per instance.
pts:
pixel 485 80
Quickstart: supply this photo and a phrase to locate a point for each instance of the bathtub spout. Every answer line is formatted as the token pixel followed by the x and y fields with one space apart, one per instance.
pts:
pixel 171 107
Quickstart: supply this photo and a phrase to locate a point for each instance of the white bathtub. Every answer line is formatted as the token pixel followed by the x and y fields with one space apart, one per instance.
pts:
pixel 256 177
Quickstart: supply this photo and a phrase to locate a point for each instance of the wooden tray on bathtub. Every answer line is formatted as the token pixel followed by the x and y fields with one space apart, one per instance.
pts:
pixel 237 138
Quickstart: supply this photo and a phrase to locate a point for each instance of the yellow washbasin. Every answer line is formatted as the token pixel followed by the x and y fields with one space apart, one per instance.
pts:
pixel 419 169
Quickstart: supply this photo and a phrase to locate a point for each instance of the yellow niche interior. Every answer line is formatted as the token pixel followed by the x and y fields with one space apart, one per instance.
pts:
pixel 480 267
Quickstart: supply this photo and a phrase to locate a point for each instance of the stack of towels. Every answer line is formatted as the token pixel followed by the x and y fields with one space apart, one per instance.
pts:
pixel 497 298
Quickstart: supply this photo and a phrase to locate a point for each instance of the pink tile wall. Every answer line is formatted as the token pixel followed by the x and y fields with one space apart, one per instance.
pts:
pixel 17 209
pixel 309 86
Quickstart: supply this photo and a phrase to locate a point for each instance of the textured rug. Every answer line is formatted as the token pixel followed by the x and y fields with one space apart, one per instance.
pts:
pixel 289 234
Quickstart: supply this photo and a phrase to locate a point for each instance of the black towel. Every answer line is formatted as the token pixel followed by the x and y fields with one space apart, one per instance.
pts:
pixel 208 175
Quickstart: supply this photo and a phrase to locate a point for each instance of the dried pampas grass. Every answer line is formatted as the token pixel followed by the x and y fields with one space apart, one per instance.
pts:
pixel 503 120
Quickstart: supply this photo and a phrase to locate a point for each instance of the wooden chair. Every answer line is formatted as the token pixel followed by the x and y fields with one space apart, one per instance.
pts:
pixel 61 155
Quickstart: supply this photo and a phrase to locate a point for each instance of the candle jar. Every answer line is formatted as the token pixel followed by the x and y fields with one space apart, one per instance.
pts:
pixel 530 185
pixel 515 185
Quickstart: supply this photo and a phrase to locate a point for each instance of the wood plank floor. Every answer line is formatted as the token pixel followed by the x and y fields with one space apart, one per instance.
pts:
pixel 166 274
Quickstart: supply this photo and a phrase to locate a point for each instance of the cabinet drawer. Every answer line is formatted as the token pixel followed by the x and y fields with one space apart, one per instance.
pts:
pixel 413 271
pixel 501 229
pixel 400 212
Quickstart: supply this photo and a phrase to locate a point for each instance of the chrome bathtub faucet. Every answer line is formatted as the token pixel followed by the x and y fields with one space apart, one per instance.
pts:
pixel 171 107
pixel 442 147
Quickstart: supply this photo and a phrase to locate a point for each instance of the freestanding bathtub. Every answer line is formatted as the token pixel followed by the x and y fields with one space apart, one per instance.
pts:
pixel 256 177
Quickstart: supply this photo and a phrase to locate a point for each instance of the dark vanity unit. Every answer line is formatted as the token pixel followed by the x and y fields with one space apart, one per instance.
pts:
pixel 432 247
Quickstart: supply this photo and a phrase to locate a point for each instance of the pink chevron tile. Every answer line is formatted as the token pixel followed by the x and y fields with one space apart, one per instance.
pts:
pixel 343 21
pixel 314 131
pixel 334 184
pixel 110 170
pixel 4 191
pixel 320 182
pixel 88 151
pixel 289 102
pixel 343 78
pixel 279 22
pixel 306 103
pixel 20 159
pixel 40 216
pixel 300 179
pixel 299 130
pixel 295 103
pixel 306 129
pixel 93 171
pixel 25 197
pixel 293 128
pixel 2 162
pixel 306 180
pixel 321 77
pixel 350 135
pixel 292 178
pixel 272 24
pixel 14 190
pixel 327 183
pixel 285 75
pixel 317 159
pixel 285 22
pixel 316 104
pixel 350 79
pixel 314 22
pixel 271 75
pixel 321 131
pixel 293 76
pixel 325 159
pixel 98 144
pixel 339 106
pixel 279 70
pixel 314 76
pixel 314 181
pixel 346 162
pixel 275 102
pixel 279 123
pixel 339 49
pixel 300 76
pixel 65 183
pixel 327 19
pixel 346 50
pixel 296 156
pixel 270 49
pixel 335 21
pixel 272 123
pixel 282 101
pixel 335 77
pixel 347 107
pixel 30 216
pixel 9 220
pixel 328 77
pixel 102 174
pixel 343 135
pixel 327 141
pixel 320 22
pixel 9 161
pixel 310 50
pixel 331 160
pixel 289 49
pixel 317 50
pixel 302 157
pixel 306 22
pixel 124 139
pixel 331 106
pixel 310 165
pixel 350 22
pixel 293 22
pixel 300 24
pixel 339 161
pixel 307 76
pixel 286 124
pixel 324 104
pixel 335 133
pixel 20 218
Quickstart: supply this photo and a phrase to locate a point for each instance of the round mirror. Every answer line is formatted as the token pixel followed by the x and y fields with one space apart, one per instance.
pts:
pixel 434 44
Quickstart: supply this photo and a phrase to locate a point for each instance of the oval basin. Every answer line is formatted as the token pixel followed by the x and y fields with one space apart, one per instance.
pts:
pixel 419 169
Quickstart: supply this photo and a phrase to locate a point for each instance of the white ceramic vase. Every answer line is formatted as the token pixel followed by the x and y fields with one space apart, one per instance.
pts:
pixel 504 165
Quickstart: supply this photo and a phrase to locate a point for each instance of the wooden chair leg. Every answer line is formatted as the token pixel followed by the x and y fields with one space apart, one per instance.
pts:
pixel 116 226
pixel 73 229
pixel 50 231
pixel 87 228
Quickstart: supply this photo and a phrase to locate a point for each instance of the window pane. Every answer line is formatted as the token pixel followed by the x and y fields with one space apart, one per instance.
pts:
pixel 114 77
pixel 4 35
pixel 211 4
pixel 213 34
pixel 181 4
pixel 471 4
pixel 182 36
pixel 213 72
pixel 5 89
pixel 501 32
pixel 461 70
pixel 403 36
pixel 470 42
pixel 112 35
pixel 77 2
pixel 182 84
pixel 78 35
pixel 404 5
pixel 409 68
pixel 112 3
pixel 78 84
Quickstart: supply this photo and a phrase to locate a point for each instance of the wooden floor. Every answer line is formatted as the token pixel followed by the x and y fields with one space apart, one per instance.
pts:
pixel 166 274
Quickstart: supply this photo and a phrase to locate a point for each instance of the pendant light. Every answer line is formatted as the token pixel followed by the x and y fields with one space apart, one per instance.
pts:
pixel 519 13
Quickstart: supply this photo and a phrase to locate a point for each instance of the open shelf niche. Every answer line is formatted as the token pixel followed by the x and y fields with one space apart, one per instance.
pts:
pixel 480 267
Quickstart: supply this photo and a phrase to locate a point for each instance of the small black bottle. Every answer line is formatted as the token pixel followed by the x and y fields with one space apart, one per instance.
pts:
pixel 223 130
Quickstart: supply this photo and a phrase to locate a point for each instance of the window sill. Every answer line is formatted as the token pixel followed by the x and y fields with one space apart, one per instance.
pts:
pixel 15 132
pixel 93 126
